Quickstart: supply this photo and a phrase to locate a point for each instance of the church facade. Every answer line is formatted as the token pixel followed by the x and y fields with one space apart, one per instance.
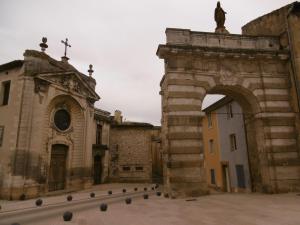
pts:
pixel 52 138
pixel 47 117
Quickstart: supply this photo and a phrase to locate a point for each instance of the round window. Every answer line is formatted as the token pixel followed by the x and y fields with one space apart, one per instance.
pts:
pixel 62 119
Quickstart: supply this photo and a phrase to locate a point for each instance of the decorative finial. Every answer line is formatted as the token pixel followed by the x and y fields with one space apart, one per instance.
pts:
pixel 65 58
pixel 90 70
pixel 43 45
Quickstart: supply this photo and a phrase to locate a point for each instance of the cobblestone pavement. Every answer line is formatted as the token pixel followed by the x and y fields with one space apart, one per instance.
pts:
pixel 216 209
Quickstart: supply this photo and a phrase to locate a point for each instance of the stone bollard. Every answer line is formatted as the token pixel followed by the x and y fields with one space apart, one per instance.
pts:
pixel 67 216
pixel 124 190
pixel 158 193
pixel 135 189
pixel 145 189
pixel 166 195
pixel 92 195
pixel 146 196
pixel 39 202
pixel 109 192
pixel 103 207
pixel 128 201
pixel 69 198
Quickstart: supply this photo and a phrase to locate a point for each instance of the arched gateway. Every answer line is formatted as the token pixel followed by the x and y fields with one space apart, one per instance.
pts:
pixel 255 71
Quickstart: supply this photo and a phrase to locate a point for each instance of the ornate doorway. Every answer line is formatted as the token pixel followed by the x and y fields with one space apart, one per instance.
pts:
pixel 57 174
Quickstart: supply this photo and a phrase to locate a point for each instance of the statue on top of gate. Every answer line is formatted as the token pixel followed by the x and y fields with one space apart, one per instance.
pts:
pixel 220 19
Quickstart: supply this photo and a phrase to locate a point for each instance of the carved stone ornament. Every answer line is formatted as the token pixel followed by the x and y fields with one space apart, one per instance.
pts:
pixel 65 81
pixel 90 102
pixel 69 81
pixel 227 77
pixel 76 86
pixel 40 85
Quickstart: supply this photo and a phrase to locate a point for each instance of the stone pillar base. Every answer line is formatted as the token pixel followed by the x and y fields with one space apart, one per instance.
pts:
pixel 221 30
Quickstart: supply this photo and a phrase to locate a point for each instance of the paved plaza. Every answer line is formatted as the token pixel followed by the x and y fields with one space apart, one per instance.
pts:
pixel 221 209
pixel 214 209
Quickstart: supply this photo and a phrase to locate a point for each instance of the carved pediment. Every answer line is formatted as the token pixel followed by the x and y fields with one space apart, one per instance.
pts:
pixel 70 82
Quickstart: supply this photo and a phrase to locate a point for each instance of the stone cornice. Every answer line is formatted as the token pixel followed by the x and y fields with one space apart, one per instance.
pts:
pixel 164 51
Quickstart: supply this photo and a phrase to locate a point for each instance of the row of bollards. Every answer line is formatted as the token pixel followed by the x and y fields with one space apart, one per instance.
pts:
pixel 103 207
pixel 39 201
pixel 67 216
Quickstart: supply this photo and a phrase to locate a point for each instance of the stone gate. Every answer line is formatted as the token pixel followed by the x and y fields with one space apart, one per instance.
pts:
pixel 253 70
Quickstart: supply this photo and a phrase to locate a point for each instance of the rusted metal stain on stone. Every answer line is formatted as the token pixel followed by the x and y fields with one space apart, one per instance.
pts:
pixel 79 172
pixel 29 165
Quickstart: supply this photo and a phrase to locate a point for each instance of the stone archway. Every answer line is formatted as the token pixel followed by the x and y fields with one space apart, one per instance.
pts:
pixel 73 136
pixel 252 70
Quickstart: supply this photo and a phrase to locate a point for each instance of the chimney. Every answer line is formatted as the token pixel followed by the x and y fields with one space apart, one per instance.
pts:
pixel 118 117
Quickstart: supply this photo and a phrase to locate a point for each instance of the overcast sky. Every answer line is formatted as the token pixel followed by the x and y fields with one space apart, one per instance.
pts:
pixel 119 38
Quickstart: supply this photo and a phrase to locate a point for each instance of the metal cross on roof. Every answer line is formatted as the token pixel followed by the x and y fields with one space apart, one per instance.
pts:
pixel 66 45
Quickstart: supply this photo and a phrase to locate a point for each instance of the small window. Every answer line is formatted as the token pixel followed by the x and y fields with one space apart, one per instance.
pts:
pixel 232 142
pixel 1 135
pixel 229 111
pixel 99 134
pixel 211 145
pixel 4 92
pixel 126 168
pixel 212 176
pixel 139 168
pixel 209 120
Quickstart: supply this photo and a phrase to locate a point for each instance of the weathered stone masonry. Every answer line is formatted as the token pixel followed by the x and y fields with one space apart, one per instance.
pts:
pixel 255 71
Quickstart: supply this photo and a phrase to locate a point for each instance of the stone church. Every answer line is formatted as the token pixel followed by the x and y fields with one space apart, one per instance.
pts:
pixel 52 138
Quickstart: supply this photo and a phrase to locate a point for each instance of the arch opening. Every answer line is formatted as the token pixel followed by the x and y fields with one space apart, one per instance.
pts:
pixel 232 140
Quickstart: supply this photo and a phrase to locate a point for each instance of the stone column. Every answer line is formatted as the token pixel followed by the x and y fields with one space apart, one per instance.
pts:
pixel 184 174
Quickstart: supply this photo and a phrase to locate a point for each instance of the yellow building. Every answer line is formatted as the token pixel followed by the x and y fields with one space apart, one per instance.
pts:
pixel 211 150
pixel 225 147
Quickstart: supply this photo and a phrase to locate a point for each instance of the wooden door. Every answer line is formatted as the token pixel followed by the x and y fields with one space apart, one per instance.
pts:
pixel 57 174
pixel 226 179
pixel 97 169
pixel 240 176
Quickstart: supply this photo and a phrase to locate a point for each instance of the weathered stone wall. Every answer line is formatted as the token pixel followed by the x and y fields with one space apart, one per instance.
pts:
pixel 156 152
pixel 273 23
pixel 9 118
pixel 285 23
pixel 131 146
